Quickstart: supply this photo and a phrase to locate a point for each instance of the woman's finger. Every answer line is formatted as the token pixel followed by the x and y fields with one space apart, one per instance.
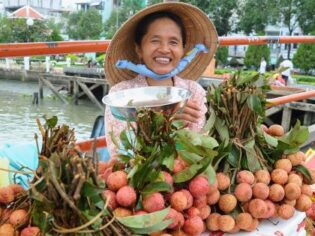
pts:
pixel 186 117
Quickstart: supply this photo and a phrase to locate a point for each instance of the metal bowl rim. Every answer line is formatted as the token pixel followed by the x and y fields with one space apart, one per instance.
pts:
pixel 189 93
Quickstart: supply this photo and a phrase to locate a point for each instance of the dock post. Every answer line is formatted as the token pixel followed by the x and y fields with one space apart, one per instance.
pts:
pixel 75 92
pixel 286 118
pixel 40 85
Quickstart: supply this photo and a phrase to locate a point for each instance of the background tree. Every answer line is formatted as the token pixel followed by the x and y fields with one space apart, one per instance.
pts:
pixel 151 2
pixel 306 16
pixel 124 9
pixel 304 58
pixel 85 24
pixel 15 30
pixel 222 55
pixel 56 30
pixel 254 53
pixel 288 15
pixel 255 15
pixel 220 12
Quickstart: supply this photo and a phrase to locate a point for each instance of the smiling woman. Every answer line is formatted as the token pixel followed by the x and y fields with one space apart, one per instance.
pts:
pixel 171 44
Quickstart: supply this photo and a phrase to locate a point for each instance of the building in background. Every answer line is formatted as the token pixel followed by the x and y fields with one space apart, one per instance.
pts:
pixel 1 8
pixel 105 7
pixel 48 8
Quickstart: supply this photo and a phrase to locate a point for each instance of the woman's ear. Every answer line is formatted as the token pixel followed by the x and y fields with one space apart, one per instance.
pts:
pixel 138 51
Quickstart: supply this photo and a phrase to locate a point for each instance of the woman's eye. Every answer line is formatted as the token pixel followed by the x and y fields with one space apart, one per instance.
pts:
pixel 174 43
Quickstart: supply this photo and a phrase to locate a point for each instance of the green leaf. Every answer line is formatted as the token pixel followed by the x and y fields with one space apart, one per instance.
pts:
pixel 187 173
pixel 52 122
pixel 169 162
pixel 244 79
pixel 157 227
pixel 208 142
pixel 125 140
pixel 90 189
pixel 210 174
pixel 272 141
pixel 223 131
pixel 90 214
pixel 197 139
pixel 210 122
pixel 305 172
pixel 233 156
pixel 157 187
pixel 40 217
pixel 189 157
pixel 255 104
pixel 144 221
pixel 296 136
pixel 252 161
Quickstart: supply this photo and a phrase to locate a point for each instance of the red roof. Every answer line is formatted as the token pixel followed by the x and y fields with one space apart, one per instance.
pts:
pixel 27 12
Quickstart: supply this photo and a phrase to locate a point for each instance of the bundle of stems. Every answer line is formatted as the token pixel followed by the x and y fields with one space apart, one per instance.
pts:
pixel 65 194
pixel 236 108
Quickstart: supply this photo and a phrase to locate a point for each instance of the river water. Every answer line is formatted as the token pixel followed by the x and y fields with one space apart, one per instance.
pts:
pixel 18 114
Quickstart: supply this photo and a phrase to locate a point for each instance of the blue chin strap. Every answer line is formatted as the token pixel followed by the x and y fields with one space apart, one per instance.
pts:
pixel 143 70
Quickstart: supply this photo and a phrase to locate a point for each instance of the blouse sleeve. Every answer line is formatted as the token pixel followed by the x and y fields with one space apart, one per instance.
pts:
pixel 199 96
pixel 113 125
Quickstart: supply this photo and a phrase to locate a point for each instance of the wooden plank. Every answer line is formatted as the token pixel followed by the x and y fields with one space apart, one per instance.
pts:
pixel 302 106
pixel 286 118
pixel 91 80
pixel 90 95
pixel 53 89
pixel 273 110
pixel 90 88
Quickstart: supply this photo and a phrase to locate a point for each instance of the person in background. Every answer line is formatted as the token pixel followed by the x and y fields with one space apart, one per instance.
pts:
pixel 277 80
pixel 174 43
pixel 286 74
pixel 263 66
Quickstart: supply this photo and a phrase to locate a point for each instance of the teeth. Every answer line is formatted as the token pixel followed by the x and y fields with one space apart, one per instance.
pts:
pixel 163 60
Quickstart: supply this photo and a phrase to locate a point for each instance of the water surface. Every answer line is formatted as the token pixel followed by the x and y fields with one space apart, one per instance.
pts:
pixel 18 114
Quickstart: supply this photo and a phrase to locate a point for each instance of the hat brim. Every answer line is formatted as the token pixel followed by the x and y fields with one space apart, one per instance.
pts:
pixel 199 29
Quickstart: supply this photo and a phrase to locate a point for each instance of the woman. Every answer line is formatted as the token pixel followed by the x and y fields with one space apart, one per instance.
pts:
pixel 158 37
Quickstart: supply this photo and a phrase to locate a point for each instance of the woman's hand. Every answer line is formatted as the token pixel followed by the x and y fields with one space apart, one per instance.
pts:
pixel 191 112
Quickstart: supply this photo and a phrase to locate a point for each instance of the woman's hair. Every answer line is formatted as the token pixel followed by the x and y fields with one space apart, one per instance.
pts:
pixel 145 22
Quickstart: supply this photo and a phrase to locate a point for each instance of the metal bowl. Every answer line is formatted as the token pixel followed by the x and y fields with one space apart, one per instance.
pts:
pixel 124 103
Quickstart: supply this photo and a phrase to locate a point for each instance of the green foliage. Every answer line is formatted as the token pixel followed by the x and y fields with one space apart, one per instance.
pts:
pixel 15 30
pixel 56 28
pixel 304 58
pixel 220 13
pixel 221 55
pixel 256 15
pixel 120 15
pixel 151 2
pixel 147 223
pixel 306 16
pixel 304 79
pixel 100 59
pixel 254 54
pixel 72 57
pixel 85 24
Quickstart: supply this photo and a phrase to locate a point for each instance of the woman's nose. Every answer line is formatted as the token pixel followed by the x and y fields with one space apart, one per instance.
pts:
pixel 164 47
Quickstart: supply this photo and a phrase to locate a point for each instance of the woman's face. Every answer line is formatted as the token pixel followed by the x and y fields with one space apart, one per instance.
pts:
pixel 162 46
